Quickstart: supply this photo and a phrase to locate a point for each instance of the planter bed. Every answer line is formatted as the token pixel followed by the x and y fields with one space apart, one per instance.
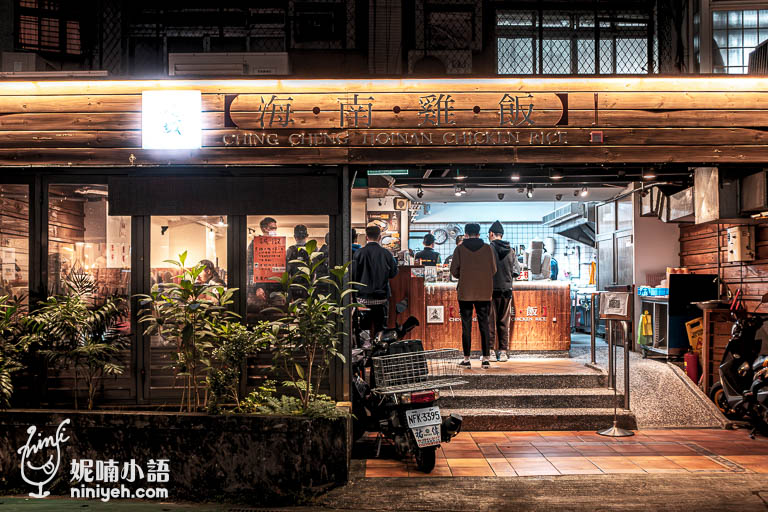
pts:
pixel 239 458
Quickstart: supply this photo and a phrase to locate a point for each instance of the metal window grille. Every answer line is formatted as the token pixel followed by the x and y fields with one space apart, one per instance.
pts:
pixel 545 42
pixel 736 34
pixel 44 26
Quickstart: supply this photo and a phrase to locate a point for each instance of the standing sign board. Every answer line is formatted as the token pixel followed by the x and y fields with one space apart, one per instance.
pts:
pixel 614 305
pixel 268 258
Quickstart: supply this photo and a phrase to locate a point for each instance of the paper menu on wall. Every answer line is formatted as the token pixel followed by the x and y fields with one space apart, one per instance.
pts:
pixel 268 258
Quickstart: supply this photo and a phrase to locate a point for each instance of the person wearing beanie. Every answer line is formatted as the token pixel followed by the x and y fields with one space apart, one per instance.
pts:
pixel 294 252
pixel 474 265
pixel 429 256
pixel 502 305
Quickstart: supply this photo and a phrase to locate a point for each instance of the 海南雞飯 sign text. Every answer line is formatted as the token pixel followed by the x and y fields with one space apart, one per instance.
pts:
pixel 398 138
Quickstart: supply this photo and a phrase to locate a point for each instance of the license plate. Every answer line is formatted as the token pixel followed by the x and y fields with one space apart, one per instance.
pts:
pixel 427 436
pixel 421 417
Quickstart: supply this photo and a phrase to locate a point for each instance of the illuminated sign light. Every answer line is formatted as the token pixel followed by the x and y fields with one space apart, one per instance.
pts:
pixel 171 120
pixel 388 172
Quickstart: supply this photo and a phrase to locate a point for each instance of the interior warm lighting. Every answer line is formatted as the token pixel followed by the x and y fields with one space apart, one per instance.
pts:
pixel 584 192
pixel 555 175
pixel 515 176
pixel 649 174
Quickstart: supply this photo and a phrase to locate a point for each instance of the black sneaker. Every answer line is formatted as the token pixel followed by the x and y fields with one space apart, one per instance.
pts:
pixel 465 364
pixel 486 364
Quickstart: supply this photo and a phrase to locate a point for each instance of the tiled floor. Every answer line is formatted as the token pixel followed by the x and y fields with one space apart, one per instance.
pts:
pixel 586 453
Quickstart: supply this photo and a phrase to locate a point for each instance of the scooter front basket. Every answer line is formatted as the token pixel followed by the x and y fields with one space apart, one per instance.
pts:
pixel 415 371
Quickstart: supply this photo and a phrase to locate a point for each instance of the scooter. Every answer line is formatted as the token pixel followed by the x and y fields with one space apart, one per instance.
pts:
pixel 743 387
pixel 411 418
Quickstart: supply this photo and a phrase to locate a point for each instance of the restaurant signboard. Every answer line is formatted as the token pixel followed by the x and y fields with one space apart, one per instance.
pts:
pixel 503 120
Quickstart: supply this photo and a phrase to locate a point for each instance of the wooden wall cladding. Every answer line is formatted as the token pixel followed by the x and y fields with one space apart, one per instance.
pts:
pixel 703 250
pixel 542 318
pixel 673 119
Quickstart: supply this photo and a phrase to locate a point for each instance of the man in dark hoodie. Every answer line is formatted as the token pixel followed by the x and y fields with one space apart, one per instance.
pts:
pixel 507 268
pixel 373 266
pixel 474 265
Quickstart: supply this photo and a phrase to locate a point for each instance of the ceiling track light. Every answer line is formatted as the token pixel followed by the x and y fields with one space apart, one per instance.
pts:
pixel 459 190
pixel 420 192
pixel 584 192
pixel 529 191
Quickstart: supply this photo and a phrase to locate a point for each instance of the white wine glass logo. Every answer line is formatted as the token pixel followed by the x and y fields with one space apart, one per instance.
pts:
pixel 39 462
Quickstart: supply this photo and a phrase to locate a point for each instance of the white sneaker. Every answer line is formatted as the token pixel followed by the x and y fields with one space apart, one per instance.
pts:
pixel 491 355
pixel 504 358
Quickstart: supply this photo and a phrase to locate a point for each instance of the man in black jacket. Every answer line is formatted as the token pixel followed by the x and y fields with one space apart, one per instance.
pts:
pixel 429 256
pixel 502 307
pixel 373 266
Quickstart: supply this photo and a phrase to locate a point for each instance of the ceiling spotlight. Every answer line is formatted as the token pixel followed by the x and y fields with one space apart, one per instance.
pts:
pixel 529 191
pixel 555 175
pixel 515 176
pixel 649 174
pixel 459 190
pixel 420 192
pixel 221 223
pixel 575 192
pixel 584 192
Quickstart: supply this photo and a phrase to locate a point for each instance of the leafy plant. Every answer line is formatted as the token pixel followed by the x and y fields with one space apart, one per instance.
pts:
pixel 264 401
pixel 14 327
pixel 237 342
pixel 188 314
pixel 77 334
pixel 308 335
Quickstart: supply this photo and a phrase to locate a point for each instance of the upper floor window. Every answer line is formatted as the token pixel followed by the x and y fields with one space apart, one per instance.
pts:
pixel 736 33
pixel 576 42
pixel 45 26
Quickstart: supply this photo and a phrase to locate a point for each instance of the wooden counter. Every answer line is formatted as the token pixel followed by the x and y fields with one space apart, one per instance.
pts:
pixel 542 318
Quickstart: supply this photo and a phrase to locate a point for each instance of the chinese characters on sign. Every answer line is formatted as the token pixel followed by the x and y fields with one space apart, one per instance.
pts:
pixel 268 258
pixel 531 314
pixel 514 119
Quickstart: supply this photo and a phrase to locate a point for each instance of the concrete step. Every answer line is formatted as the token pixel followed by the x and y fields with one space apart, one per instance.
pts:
pixel 541 419
pixel 467 398
pixel 491 380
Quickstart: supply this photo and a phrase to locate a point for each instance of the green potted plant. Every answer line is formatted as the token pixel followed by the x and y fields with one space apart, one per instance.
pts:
pixel 188 313
pixel 14 327
pixel 77 334
pixel 308 335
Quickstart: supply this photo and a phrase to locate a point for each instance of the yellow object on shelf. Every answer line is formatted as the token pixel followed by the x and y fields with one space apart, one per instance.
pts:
pixel 645 329
pixel 695 330
pixel 592 272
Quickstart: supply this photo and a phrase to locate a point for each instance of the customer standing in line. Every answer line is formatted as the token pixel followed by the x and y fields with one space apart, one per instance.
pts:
pixel 474 265
pixel 373 266
pixel 502 307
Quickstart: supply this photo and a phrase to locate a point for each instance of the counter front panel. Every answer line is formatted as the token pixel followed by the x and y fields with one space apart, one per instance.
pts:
pixel 541 321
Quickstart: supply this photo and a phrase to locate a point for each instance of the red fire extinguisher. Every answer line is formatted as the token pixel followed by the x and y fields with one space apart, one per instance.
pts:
pixel 692 366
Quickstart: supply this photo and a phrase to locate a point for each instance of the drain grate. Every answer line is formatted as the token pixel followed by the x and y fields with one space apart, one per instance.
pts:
pixel 717 458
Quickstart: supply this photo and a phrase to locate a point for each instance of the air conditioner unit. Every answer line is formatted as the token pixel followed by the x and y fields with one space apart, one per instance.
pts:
pixel 228 64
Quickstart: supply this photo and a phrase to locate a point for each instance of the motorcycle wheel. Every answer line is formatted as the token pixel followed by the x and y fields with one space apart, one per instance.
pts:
pixel 717 395
pixel 425 458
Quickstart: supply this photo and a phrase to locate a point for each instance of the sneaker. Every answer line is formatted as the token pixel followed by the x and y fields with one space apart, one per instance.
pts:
pixel 498 356
pixel 504 357
pixel 486 364
pixel 465 364
pixel 491 355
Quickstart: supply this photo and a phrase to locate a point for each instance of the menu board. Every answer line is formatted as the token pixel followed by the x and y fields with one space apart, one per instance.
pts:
pixel 268 258
pixel 390 228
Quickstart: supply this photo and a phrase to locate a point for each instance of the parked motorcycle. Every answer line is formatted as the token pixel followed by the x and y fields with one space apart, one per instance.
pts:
pixel 743 387
pixel 408 416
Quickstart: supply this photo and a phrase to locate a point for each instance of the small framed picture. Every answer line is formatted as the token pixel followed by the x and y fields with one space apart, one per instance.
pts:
pixel 435 314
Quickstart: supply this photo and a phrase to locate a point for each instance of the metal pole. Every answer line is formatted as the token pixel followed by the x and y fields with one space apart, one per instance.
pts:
pixel 609 336
pixel 627 333
pixel 592 329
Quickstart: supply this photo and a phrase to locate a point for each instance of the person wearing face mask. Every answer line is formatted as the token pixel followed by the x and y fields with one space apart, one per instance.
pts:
pixel 262 295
